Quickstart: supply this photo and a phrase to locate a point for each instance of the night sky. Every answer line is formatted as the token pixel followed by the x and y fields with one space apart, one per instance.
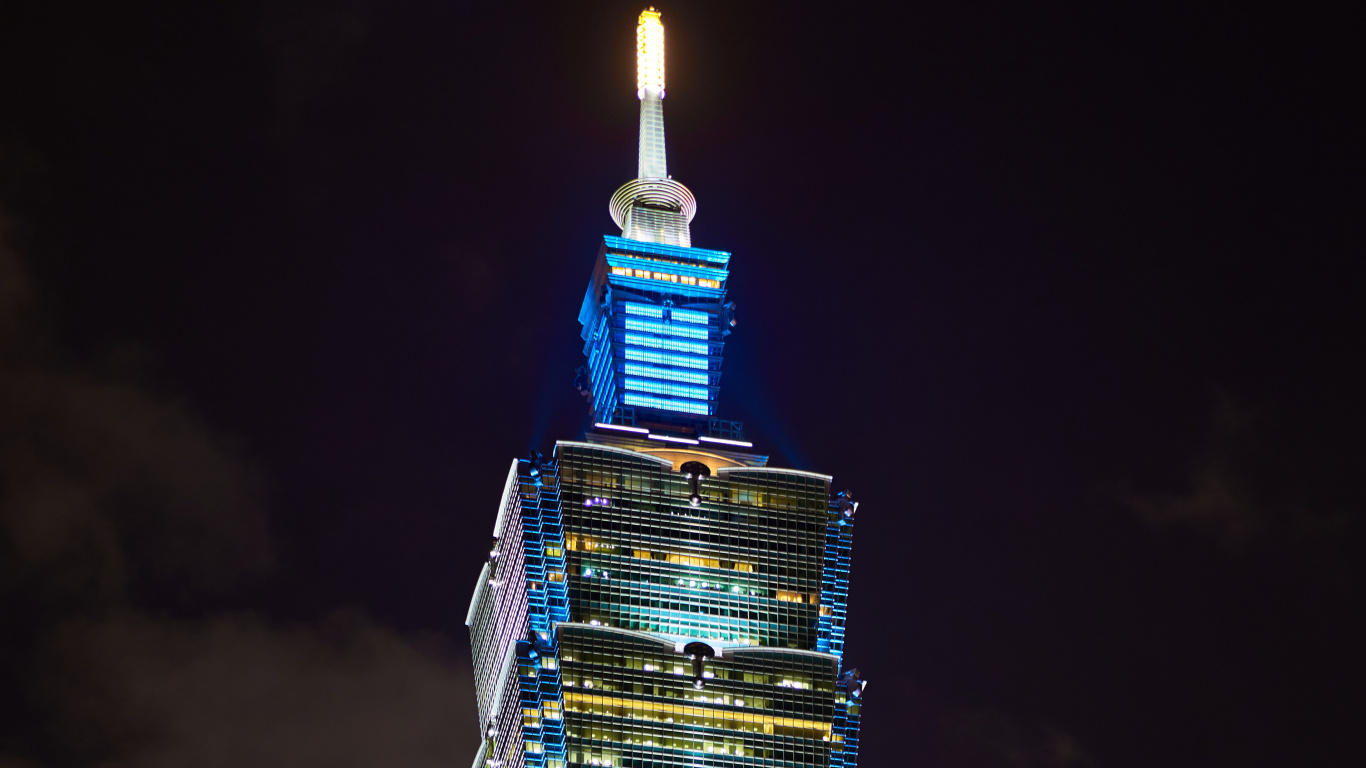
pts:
pixel 1069 295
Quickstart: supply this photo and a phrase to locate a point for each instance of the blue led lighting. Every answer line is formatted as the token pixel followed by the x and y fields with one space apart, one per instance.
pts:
pixel 689 316
pixel 665 388
pixel 664 358
pixel 676 251
pixel 667 329
pixel 646 285
pixel 644 310
pixel 649 371
pixel 665 403
pixel 673 345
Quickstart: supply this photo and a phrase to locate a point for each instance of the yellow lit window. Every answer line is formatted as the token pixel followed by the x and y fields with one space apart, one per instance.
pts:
pixel 703 562
pixel 553 551
pixel 555 576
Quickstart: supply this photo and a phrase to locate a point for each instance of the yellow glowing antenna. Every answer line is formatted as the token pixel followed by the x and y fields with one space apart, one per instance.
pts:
pixel 649 53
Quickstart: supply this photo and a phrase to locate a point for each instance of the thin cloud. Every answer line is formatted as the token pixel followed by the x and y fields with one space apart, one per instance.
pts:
pixel 124 520
pixel 1260 484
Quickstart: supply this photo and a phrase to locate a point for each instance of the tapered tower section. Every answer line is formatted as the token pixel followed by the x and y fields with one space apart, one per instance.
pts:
pixel 656 594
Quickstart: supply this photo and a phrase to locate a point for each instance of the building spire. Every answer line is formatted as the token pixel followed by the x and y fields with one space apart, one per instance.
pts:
pixel 653 207
pixel 652 163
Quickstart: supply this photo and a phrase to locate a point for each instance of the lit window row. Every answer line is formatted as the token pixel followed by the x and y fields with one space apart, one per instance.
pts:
pixel 666 404
pixel 668 329
pixel 644 310
pixel 690 316
pixel 579 543
pixel 665 388
pixel 685 361
pixel 666 277
pixel 668 374
pixel 672 345
pixel 657 312
pixel 709 717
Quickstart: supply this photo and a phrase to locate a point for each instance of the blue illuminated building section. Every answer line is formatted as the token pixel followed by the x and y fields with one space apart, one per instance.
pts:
pixel 538 668
pixel 654 322
pixel 839 539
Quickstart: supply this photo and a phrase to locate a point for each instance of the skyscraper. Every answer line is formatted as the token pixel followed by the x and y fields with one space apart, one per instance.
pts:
pixel 656 594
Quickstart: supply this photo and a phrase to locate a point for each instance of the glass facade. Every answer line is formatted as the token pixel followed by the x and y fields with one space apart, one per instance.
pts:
pixel 621 575
pixel 656 594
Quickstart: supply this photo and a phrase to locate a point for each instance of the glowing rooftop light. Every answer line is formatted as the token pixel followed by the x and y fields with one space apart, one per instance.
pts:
pixel 671 439
pixel 649 53
pixel 722 441
pixel 603 425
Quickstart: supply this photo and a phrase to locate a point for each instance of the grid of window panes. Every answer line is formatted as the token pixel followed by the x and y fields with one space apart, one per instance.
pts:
pixel 657 304
pixel 629 701
pixel 497 621
pixel 744 567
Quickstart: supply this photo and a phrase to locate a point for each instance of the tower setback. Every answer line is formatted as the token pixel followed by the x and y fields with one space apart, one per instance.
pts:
pixel 656 594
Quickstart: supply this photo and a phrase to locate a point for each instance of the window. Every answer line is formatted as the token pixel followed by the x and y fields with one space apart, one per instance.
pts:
pixel 667 404
pixel 669 374
pixel 672 345
pixel 666 329
pixel 664 388
pixel 666 277
pixel 690 316
pixel 664 358
pixel 644 310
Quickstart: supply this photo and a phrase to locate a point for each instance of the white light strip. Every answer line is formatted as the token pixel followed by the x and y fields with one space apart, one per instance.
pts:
pixel 601 425
pixel 673 439
pixel 722 441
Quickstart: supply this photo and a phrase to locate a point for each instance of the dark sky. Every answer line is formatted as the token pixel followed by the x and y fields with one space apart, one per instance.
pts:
pixel 1069 295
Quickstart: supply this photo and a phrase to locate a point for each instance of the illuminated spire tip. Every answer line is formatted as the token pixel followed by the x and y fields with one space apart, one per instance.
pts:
pixel 652 207
pixel 649 53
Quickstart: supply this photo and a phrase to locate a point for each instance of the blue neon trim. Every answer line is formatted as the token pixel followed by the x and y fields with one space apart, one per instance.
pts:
pixel 647 285
pixel 644 310
pixel 669 374
pixel 660 249
pixel 673 345
pixel 666 403
pixel 664 358
pixel 689 316
pixel 664 388
pixel 692 270
pixel 667 329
